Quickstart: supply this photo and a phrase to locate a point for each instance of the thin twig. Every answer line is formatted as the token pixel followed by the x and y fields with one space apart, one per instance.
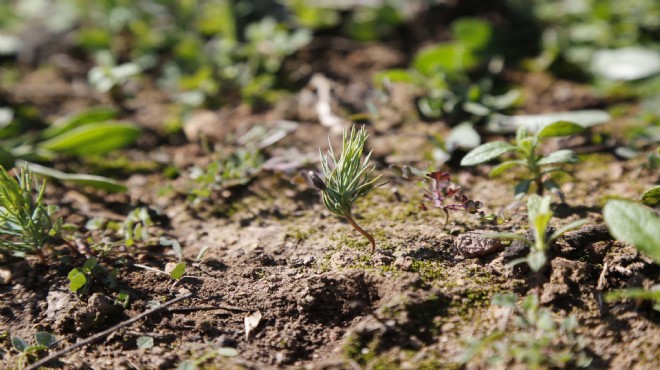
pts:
pixel 208 308
pixel 105 333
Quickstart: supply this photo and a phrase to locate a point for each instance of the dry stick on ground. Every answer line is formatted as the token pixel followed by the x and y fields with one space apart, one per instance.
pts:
pixel 105 333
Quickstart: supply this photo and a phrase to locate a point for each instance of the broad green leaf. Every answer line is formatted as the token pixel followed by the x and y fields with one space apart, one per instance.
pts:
pixel 635 224
pixel 630 63
pixel 474 33
pixel 19 344
pixel 93 115
pixel 77 280
pixel 651 197
pixel 487 152
pixel 95 138
pixel 535 122
pixel 45 339
pixel 98 182
pixel 145 342
pixel 90 264
pixel 560 128
pixel 447 57
pixel 178 271
pixel 503 167
pixel 463 136
pixel 558 157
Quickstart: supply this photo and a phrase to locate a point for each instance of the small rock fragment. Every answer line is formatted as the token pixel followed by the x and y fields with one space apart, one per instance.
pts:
pixel 472 245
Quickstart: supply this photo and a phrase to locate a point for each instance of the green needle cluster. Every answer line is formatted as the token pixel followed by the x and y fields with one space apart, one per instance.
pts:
pixel 348 178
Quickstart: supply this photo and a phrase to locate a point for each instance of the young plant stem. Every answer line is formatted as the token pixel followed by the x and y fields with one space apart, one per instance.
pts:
pixel 357 227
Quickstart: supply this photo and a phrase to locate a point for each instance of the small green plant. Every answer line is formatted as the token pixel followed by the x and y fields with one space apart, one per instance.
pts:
pixel 640 226
pixel 347 179
pixel 82 278
pixel 26 222
pixel 43 341
pixel 539 215
pixel 536 340
pixel 526 148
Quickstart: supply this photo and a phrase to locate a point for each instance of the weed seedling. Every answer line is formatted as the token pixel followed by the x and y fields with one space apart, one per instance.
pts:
pixel 43 341
pixel 82 278
pixel 526 149
pixel 537 340
pixel 26 222
pixel 347 179
pixel 640 226
pixel 539 215
pixel 441 189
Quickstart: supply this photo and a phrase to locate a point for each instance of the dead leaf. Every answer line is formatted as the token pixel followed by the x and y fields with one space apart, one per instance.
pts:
pixel 251 323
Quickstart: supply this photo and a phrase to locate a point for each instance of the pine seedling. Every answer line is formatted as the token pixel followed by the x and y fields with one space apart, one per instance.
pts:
pixel 347 179
pixel 25 220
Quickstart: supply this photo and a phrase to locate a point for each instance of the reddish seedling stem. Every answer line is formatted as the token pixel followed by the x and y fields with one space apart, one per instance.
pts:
pixel 357 227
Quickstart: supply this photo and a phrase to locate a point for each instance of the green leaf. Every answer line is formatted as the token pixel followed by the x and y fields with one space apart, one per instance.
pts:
pixel 77 280
pixel 651 197
pixel 536 260
pixel 505 300
pixel 447 57
pixel 96 138
pixel 98 182
pixel 535 122
pixel 45 339
pixel 634 224
pixel 92 115
pixel 559 157
pixel 572 226
pixel 521 188
pixel 560 128
pixel 503 167
pixel 487 152
pixel 474 33
pixel 19 344
pixel 145 342
pixel 187 365
pixel 178 271
pixel 90 264
pixel 634 293
pixel 394 76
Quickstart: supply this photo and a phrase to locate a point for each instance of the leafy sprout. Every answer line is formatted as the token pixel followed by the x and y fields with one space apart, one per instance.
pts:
pixel 347 179
pixel 26 222
pixel 526 149
pixel 539 214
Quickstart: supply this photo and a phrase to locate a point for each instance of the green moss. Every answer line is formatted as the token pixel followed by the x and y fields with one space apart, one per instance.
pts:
pixel 299 234
pixel 429 270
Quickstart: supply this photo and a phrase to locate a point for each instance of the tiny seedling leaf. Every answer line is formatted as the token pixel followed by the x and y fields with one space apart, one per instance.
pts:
pixel 560 128
pixel 45 339
pixel 635 224
pixel 572 226
pixel 227 352
pixel 77 280
pixel 559 157
pixel 178 271
pixel 168 242
pixel 95 138
pixel 187 365
pixel 145 342
pixel 505 300
pixel 651 197
pixel 503 167
pixel 19 344
pixel 487 152
pixel 521 188
pixel 536 260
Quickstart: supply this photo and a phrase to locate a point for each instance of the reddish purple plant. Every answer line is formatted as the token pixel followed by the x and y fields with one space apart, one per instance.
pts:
pixel 442 194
